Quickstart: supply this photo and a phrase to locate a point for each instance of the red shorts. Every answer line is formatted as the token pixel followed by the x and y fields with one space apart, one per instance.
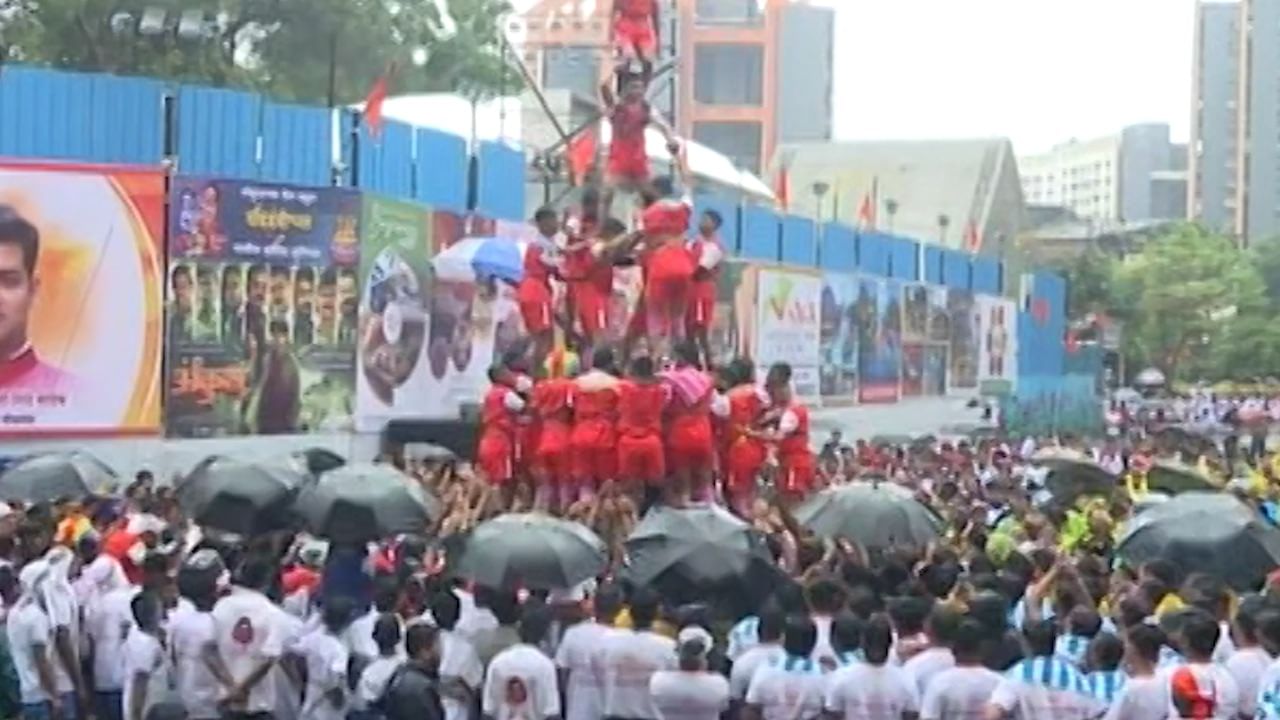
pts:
pixel 702 306
pixel 640 458
pixel 627 167
pixel 592 309
pixel 689 444
pixel 536 315
pixel 493 456
pixel 795 475
pixel 637 34
pixel 594 454
pixel 554 456
pixel 745 458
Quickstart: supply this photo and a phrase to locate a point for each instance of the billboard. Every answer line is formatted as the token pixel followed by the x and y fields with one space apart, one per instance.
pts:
pixel 965 338
pixel 81 299
pixel 915 312
pixel 998 353
pixel 912 369
pixel 839 337
pixel 787 325
pixel 263 308
pixel 391 362
pixel 880 341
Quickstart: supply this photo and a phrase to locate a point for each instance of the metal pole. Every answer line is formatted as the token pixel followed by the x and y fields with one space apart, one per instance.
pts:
pixel 333 70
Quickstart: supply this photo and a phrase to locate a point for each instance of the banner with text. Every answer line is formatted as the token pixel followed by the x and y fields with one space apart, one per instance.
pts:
pixel 788 325
pixel 81 324
pixel 840 331
pixel 263 308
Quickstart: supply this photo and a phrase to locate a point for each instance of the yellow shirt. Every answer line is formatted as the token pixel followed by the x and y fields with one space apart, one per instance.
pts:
pixel 623 622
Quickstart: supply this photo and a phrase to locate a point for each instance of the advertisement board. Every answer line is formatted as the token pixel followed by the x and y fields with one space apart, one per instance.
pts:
pixel 81 307
pixel 880 342
pixel 787 325
pixel 839 338
pixel 263 308
pixel 965 339
pixel 998 354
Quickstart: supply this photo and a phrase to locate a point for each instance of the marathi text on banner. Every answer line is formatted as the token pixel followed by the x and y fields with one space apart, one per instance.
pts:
pixel 81 316
pixel 263 310
pixel 788 325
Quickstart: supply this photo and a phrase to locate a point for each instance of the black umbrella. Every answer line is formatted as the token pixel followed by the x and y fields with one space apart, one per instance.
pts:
pixel 1072 474
pixel 872 514
pixel 357 503
pixel 702 554
pixel 318 460
pixel 1205 532
pixel 238 497
pixel 1174 478
pixel 532 551
pixel 50 476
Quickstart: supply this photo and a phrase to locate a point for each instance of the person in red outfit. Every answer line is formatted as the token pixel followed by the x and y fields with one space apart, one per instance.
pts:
pixel 552 460
pixel 690 444
pixel 743 406
pixel 707 254
pixel 593 294
pixel 635 31
pixel 791 437
pixel 495 453
pixel 668 266
pixel 595 409
pixel 541 261
pixel 627 165
pixel 642 398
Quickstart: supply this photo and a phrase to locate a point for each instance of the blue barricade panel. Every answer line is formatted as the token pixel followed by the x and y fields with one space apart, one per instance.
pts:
pixel 127 120
pixel 218 132
pixel 799 241
pixel 297 144
pixel 500 181
pixel 905 259
pixel 955 269
pixel 759 234
pixel 440 169
pixel 839 248
pixel 874 253
pixel 386 162
pixel 45 114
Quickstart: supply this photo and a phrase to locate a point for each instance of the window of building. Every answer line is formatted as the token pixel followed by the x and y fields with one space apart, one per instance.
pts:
pixel 573 68
pixel 728 12
pixel 728 74
pixel 740 141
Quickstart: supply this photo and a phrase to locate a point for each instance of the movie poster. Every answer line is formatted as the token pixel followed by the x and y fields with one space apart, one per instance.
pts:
pixel 879 344
pixel 998 359
pixel 392 378
pixel 263 308
pixel 935 370
pixel 912 370
pixel 915 312
pixel 81 315
pixel 839 337
pixel 788 325
pixel 939 316
pixel 965 338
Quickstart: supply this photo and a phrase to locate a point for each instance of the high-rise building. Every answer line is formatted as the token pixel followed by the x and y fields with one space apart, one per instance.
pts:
pixel 727 89
pixel 1110 180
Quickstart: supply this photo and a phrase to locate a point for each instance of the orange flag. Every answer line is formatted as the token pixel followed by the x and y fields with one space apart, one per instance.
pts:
pixel 374 100
pixel 580 155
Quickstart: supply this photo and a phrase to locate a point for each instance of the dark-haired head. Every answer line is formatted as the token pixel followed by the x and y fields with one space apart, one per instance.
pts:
pixel 17 232
pixel 1105 653
pixel 846 633
pixel 642 367
pixel 1040 638
pixel 800 636
pixel 877 637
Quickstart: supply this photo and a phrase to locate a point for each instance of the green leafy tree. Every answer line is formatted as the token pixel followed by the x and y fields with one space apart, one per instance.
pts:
pixel 304 50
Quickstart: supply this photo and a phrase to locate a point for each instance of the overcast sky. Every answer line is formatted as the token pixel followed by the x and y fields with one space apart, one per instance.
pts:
pixel 1037 71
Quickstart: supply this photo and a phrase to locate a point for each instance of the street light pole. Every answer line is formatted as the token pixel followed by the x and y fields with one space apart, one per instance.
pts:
pixel 820 190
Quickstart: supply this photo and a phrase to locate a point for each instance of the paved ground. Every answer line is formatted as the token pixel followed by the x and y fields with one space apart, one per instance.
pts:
pixel 917 416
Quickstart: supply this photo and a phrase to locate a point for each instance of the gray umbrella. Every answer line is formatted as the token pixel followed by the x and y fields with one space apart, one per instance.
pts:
pixel 238 497
pixel 871 514
pixel 1205 532
pixel 357 503
pixel 533 551
pixel 50 476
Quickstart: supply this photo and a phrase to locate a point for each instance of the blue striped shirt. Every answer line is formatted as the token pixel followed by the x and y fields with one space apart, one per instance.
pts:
pixel 743 636
pixel 1072 648
pixel 1107 684
pixel 1052 673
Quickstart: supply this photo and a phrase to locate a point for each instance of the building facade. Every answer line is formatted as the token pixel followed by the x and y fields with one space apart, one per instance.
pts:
pixel 1116 179
pixel 725 91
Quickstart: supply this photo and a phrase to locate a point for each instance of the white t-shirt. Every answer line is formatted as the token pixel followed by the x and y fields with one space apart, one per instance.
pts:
pixel 29 628
pixel 862 691
pixel 327 659
pixel 629 659
pixel 791 688
pixel 374 679
pixel 924 665
pixel 959 693
pixel 1046 688
pixel 1209 678
pixel 475 622
pixel 189 634
pixel 521 684
pixel 458 659
pixel 109 619
pixel 359 635
pixel 1141 698
pixel 64 611
pixel 1247 666
pixel 143 653
pixel 681 695
pixel 248 633
pixel 746 666
pixel 579 655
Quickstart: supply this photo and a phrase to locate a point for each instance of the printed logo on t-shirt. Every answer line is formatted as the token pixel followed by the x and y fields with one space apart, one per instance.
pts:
pixel 242 632
pixel 517 692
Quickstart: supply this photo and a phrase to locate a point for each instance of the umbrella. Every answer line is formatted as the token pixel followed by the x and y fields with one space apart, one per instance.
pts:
pixel 1174 478
pixel 1150 500
pixel 238 497
pixel 479 258
pixel 529 550
pixel 1205 532
pixel 1072 474
pixel 871 514
pixel 357 503
pixel 47 477
pixel 1151 377
pixel 701 554
pixel 318 460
